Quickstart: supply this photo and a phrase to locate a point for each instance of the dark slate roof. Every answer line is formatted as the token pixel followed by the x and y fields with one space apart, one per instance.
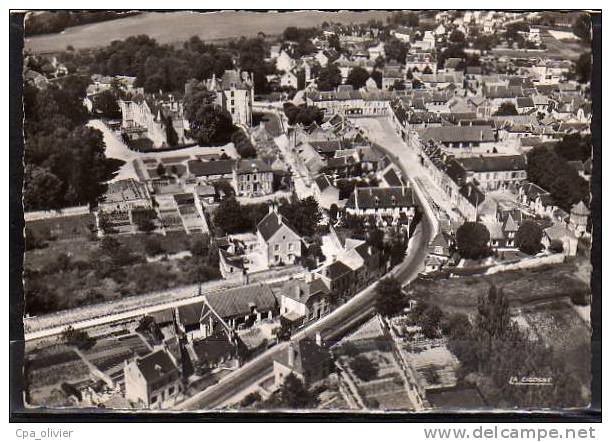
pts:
pixel 525 102
pixel 383 197
pixel 272 222
pixel 189 314
pixel 326 146
pixel 252 166
pixel 219 167
pixel 391 178
pixel 238 301
pixel 472 194
pixel 458 134
pixel 158 367
pixel 322 182
pixel 213 348
pixel 307 358
pixel 337 270
pixel 493 163
pixel 302 291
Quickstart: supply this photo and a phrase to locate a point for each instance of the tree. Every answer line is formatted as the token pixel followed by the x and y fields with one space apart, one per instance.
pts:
pixel 363 368
pixel 303 114
pixel 583 68
pixel 329 77
pixel 153 246
pixel 42 189
pixel 398 85
pixel 377 77
pixel 575 147
pixel 390 298
pixel 170 132
pixel 160 169
pixel 493 318
pixel 230 217
pixel 294 395
pixel 243 144
pixel 582 27
pixel 77 338
pixel 506 108
pixel 528 237
pixel 357 77
pixel 106 104
pixel 303 215
pixel 472 240
pixel 209 123
pixel 396 49
pixel 457 36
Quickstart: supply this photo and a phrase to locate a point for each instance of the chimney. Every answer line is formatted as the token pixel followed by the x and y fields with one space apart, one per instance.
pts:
pixel 292 352
pixel 270 207
pixel 318 339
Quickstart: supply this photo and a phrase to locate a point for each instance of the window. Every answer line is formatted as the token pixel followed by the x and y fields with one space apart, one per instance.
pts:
pixel 153 399
pixel 170 391
pixel 276 247
pixel 291 246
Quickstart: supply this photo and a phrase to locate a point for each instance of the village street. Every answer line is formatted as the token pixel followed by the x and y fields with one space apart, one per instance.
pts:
pixel 333 326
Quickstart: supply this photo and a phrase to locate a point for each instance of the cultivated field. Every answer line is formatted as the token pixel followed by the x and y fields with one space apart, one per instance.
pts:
pixel 171 27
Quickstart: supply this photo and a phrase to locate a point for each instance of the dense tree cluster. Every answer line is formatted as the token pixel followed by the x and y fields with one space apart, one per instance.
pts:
pixel 329 77
pixel 582 27
pixel 209 123
pixel 546 168
pixel 303 114
pixel 494 348
pixel 401 18
pixel 390 299
pixel 506 108
pixel 156 67
pixel 243 144
pixel 528 237
pixel 65 160
pixel 47 22
pixel 472 240
pixel 396 49
pixel 357 77
pixel 575 147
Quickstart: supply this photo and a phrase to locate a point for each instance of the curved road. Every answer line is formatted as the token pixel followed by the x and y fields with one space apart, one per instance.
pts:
pixel 357 310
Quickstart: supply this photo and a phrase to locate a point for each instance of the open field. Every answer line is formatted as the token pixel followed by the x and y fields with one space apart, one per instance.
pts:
pixel 520 287
pixel 171 27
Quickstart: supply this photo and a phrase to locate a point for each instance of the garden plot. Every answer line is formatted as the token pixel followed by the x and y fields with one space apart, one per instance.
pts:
pixel 47 369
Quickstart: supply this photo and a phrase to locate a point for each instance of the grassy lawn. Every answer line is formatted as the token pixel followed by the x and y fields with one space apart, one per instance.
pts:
pixel 520 287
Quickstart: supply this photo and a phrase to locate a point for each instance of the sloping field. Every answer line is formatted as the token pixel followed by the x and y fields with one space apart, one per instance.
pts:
pixel 170 27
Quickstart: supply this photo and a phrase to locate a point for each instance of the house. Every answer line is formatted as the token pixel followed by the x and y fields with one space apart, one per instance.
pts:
pixel 150 117
pixel 459 136
pixel 252 177
pixel 214 351
pixel 578 220
pixel 525 105
pixel 390 76
pixel 152 381
pixel 537 199
pixel 404 34
pixel 325 193
pixel 382 202
pixel 557 235
pixel 493 172
pixel 284 62
pixel 305 359
pixel 376 51
pixel 234 94
pixel 210 171
pixel 302 301
pixel 419 61
pixel 289 79
pixel 236 309
pixel 371 84
pixel 279 242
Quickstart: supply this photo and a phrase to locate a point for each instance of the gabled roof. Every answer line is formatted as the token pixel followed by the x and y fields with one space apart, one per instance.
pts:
pixel 213 347
pixel 322 182
pixel 307 357
pixel 272 223
pixel 382 197
pixel 493 163
pixel 301 291
pixel 218 167
pixel 458 134
pixel 336 270
pixel 157 367
pixel 252 166
pixel 580 209
pixel 238 301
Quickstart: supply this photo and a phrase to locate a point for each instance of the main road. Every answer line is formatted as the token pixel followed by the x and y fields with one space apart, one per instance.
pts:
pixel 361 307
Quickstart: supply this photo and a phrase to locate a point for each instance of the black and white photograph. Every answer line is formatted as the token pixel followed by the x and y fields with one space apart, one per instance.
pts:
pixel 307 211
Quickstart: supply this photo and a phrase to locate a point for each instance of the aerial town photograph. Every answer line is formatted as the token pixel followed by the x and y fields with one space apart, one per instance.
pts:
pixel 308 211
